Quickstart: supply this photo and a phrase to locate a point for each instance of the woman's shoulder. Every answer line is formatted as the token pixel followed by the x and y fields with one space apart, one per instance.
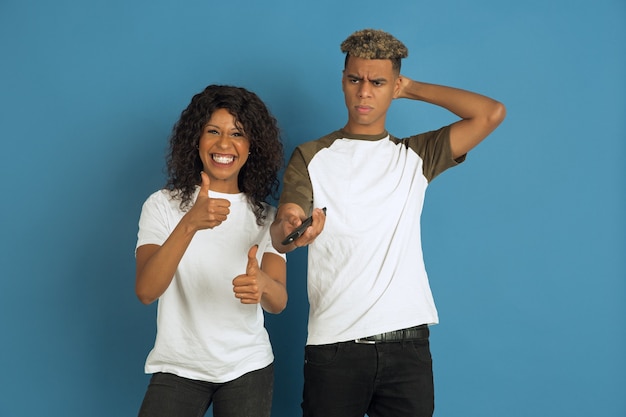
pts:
pixel 164 198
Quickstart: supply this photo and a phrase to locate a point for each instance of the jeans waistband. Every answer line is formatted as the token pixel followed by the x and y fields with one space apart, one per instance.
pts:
pixel 413 333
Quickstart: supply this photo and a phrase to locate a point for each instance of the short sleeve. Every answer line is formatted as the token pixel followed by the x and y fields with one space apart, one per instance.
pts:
pixel 434 149
pixel 153 224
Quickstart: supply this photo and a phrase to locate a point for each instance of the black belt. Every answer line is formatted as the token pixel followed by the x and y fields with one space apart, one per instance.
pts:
pixel 413 333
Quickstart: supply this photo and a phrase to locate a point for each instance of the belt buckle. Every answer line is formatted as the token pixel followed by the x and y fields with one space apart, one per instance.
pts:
pixel 364 341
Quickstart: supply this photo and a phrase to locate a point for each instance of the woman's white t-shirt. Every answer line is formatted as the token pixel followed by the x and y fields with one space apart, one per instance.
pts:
pixel 203 331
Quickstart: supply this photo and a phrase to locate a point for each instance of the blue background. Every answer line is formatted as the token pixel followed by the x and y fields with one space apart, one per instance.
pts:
pixel 525 243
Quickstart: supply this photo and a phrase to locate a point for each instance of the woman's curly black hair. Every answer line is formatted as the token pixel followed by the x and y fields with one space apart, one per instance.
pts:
pixel 258 178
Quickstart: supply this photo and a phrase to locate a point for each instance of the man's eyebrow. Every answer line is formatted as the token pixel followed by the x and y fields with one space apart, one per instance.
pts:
pixel 374 80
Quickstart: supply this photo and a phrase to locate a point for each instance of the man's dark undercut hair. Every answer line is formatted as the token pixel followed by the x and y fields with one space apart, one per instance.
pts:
pixel 375 44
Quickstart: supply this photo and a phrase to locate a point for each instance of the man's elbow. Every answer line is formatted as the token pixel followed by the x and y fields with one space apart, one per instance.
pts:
pixel 497 114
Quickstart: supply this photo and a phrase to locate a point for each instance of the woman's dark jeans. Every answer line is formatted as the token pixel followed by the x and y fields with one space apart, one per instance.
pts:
pixel 169 395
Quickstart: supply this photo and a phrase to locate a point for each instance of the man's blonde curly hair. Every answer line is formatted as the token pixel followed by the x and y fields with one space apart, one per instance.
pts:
pixel 375 44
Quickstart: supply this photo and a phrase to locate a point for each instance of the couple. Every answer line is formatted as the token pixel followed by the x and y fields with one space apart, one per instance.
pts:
pixel 210 247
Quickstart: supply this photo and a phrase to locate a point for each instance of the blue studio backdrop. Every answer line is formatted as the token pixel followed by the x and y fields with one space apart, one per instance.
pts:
pixel 525 243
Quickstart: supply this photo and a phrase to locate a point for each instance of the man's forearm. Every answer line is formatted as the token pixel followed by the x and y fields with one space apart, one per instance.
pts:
pixel 479 114
pixel 283 225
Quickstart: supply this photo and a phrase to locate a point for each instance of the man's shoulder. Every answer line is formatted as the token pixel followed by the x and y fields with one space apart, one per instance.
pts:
pixel 311 147
pixel 323 140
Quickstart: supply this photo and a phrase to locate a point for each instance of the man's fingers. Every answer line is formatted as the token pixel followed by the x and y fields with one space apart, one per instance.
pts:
pixel 313 231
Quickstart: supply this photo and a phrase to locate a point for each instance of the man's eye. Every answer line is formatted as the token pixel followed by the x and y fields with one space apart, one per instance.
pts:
pixel 354 80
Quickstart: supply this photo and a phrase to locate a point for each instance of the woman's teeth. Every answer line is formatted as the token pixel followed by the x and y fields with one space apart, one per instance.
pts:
pixel 223 159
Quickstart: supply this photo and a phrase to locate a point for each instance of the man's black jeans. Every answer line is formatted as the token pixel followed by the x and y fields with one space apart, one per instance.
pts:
pixel 388 379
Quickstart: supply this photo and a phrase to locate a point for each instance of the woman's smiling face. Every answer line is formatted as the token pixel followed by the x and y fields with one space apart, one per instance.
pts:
pixel 223 149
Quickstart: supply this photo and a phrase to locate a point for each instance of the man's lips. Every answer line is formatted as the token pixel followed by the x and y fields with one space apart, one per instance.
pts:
pixel 363 109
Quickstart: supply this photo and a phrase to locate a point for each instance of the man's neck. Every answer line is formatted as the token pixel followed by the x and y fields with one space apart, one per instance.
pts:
pixel 363 130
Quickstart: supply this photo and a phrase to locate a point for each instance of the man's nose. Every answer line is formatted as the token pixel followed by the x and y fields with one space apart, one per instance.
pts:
pixel 364 89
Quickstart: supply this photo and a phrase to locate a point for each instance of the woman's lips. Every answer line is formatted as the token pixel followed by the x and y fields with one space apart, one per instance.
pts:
pixel 223 159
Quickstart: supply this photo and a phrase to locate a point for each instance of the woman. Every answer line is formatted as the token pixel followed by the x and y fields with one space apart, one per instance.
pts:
pixel 204 251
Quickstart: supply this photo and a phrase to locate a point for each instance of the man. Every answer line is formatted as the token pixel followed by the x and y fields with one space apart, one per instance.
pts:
pixel 370 302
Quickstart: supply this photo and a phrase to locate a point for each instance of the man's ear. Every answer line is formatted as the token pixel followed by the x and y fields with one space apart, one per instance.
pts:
pixel 397 85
